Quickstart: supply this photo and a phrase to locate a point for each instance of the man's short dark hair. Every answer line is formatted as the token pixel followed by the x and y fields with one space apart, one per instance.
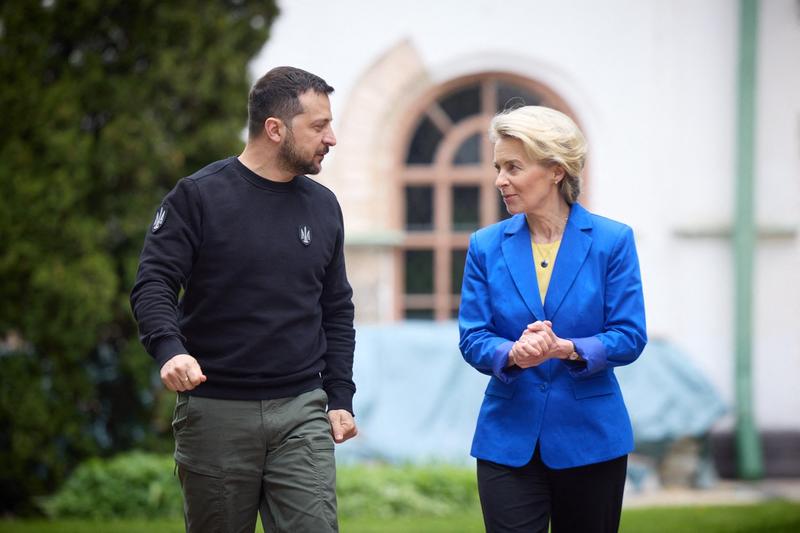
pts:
pixel 276 95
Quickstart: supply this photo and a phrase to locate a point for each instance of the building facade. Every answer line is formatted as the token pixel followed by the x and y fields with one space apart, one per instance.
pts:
pixel 654 86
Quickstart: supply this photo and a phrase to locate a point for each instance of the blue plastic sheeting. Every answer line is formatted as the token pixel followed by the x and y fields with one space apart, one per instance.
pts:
pixel 417 400
pixel 667 396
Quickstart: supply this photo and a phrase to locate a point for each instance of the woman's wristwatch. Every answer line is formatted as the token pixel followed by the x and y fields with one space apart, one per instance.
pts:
pixel 574 356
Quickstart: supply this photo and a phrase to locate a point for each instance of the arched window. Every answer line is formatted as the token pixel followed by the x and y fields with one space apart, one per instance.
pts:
pixel 446 186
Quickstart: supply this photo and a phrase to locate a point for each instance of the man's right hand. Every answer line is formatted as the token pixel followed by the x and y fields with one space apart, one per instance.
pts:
pixel 182 373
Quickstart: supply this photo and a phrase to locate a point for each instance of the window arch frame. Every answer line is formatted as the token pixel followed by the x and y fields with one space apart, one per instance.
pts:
pixel 442 174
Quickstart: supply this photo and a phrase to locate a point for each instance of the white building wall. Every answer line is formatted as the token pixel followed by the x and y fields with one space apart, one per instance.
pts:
pixel 654 86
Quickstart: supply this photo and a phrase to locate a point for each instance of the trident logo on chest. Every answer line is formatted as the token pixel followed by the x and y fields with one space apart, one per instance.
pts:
pixel 305 235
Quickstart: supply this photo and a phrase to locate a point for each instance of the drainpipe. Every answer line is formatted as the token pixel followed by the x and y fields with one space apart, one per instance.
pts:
pixel 748 445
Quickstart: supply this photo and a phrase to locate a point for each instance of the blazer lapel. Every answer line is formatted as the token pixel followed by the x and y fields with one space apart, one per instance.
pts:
pixel 519 258
pixel 572 252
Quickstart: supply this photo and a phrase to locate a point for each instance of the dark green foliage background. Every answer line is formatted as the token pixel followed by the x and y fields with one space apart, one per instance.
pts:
pixel 105 105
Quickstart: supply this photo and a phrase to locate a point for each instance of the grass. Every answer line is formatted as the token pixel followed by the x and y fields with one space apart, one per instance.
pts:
pixel 772 517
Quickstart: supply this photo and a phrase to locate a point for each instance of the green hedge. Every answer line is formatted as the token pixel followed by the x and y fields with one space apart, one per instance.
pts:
pixel 133 485
pixel 391 491
pixel 139 485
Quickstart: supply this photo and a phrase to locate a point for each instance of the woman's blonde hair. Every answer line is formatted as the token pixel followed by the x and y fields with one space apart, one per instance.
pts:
pixel 549 137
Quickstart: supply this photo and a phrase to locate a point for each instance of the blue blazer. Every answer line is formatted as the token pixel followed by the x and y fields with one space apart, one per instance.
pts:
pixel 574 410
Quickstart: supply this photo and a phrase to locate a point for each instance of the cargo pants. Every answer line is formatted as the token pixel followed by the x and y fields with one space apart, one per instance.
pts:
pixel 236 458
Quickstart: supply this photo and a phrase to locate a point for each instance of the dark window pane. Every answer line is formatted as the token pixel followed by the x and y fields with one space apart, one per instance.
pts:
pixel 419 271
pixel 466 208
pixel 469 153
pixel 419 208
pixel 502 212
pixel 459 257
pixel 512 96
pixel 419 314
pixel 424 143
pixel 462 103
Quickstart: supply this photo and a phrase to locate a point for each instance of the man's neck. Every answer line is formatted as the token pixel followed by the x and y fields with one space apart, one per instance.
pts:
pixel 264 162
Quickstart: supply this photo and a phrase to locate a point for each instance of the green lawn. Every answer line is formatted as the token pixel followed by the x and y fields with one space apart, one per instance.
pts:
pixel 772 517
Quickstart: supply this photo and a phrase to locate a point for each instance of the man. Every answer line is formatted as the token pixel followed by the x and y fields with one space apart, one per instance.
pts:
pixel 262 339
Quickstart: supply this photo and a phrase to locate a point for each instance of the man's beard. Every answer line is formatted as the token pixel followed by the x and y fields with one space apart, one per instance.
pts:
pixel 293 161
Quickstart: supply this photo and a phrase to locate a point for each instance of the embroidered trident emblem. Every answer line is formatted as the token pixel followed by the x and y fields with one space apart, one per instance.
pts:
pixel 161 215
pixel 305 235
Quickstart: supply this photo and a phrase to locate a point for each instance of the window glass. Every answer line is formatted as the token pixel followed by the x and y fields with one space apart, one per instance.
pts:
pixel 469 153
pixel 419 314
pixel 419 271
pixel 466 207
pixel 459 257
pixel 511 96
pixel 424 143
pixel 462 103
pixel 419 208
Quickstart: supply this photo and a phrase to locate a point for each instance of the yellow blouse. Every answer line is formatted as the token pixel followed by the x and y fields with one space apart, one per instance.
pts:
pixel 544 257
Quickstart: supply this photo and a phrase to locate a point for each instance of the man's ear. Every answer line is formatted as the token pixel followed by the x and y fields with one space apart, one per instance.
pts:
pixel 274 129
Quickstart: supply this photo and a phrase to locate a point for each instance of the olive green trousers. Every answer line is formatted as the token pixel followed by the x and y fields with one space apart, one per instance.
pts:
pixel 237 458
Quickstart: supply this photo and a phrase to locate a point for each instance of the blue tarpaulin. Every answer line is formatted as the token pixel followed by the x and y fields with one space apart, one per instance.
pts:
pixel 417 400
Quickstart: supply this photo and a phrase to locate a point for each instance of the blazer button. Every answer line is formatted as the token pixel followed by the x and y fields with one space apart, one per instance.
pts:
pixel 543 387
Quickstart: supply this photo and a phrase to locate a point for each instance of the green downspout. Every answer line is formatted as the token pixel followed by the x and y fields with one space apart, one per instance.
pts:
pixel 748 445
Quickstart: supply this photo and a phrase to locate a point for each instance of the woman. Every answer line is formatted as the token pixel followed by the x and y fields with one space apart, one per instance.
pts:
pixel 551 302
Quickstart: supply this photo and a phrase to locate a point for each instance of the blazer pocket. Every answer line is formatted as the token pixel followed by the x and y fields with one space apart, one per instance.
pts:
pixel 596 386
pixel 500 389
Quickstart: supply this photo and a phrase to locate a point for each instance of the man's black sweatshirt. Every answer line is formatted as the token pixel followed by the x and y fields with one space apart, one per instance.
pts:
pixel 267 309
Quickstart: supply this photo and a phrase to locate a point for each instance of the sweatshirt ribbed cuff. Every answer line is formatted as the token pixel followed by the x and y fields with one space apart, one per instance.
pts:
pixel 340 398
pixel 167 348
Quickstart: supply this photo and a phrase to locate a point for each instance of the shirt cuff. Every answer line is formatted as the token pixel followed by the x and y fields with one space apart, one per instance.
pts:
pixel 593 353
pixel 167 348
pixel 500 367
pixel 340 398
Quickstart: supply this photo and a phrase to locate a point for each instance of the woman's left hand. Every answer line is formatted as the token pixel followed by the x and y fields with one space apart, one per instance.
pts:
pixel 558 348
pixel 533 346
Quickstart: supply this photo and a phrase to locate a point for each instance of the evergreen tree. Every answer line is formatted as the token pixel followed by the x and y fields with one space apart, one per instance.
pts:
pixel 105 105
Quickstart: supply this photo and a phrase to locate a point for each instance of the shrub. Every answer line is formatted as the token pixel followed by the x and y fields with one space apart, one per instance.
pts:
pixel 389 491
pixel 132 485
pixel 139 485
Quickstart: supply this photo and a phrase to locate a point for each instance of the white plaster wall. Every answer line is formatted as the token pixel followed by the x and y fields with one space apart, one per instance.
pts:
pixel 776 313
pixel 654 85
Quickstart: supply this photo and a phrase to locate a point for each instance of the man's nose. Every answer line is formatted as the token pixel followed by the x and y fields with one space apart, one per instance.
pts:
pixel 329 138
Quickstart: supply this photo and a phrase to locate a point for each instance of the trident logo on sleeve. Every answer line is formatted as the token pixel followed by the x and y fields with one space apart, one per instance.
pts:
pixel 161 216
pixel 305 235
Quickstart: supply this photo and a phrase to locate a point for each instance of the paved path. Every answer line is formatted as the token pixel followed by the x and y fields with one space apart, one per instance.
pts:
pixel 724 492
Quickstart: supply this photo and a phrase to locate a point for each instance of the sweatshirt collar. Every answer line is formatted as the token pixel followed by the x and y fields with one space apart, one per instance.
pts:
pixel 264 183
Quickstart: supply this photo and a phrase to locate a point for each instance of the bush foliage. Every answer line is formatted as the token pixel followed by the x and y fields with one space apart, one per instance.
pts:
pixel 134 485
pixel 138 485
pixel 105 106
